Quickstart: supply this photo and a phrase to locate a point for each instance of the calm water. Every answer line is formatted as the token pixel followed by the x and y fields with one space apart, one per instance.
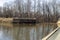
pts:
pixel 25 31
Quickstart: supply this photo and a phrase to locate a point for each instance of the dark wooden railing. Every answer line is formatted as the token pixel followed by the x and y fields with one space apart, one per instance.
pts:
pixel 24 20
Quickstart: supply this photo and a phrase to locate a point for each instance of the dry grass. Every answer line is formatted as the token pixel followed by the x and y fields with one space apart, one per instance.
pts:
pixel 5 20
pixel 58 23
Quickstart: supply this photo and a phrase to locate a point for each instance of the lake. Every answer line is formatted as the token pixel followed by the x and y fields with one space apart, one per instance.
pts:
pixel 25 31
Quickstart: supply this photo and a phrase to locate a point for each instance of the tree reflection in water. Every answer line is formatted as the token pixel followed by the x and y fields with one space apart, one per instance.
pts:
pixel 25 31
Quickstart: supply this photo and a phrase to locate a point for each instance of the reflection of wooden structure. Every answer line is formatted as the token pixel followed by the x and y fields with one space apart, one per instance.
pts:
pixel 24 20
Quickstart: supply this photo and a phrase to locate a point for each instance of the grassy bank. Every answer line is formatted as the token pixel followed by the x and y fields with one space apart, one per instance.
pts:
pixel 6 20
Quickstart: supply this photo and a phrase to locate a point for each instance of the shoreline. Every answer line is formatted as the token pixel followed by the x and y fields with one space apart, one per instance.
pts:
pixel 10 20
pixel 6 20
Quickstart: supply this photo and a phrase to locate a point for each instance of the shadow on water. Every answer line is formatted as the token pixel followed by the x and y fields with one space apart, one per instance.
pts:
pixel 25 31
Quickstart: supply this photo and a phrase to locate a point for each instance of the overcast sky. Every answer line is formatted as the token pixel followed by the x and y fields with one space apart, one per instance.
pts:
pixel 3 1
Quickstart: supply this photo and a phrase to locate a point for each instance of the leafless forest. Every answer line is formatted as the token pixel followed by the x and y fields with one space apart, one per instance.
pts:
pixel 43 11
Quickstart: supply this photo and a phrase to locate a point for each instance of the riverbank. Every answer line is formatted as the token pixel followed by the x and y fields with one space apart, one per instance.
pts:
pixel 6 20
pixel 10 20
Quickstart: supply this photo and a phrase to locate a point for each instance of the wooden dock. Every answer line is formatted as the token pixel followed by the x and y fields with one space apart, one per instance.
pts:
pixel 24 20
pixel 54 35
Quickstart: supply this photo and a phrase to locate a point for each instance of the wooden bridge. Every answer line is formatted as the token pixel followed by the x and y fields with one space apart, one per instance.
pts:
pixel 24 20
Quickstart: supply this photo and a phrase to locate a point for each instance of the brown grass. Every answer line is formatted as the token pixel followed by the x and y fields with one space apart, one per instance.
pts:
pixel 5 20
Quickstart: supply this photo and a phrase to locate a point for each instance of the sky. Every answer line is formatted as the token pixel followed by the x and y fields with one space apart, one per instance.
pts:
pixel 3 1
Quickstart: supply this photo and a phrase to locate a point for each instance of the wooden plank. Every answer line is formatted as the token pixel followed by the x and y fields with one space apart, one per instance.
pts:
pixel 24 20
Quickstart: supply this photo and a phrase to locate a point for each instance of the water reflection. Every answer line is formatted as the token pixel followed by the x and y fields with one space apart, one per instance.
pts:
pixel 25 31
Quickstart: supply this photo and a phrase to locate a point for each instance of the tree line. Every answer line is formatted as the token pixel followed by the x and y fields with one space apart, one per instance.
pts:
pixel 42 10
